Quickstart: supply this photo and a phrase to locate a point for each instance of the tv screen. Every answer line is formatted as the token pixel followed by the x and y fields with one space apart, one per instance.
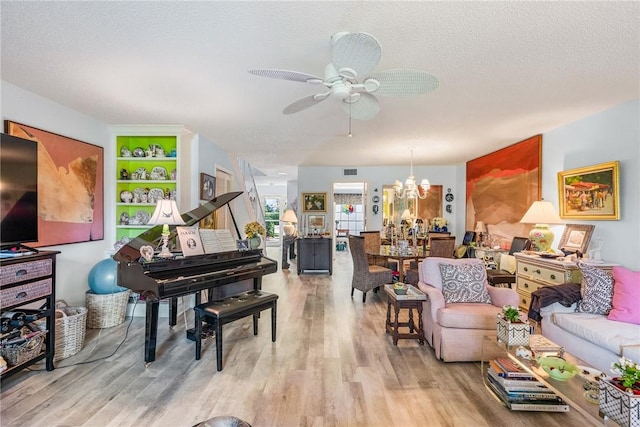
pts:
pixel 18 190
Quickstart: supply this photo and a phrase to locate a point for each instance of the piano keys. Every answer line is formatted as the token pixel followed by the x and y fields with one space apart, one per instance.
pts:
pixel 224 272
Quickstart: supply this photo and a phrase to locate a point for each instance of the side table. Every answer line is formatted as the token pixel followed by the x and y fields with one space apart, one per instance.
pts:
pixel 413 299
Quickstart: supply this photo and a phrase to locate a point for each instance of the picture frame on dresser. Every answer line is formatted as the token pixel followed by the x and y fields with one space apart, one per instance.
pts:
pixel 576 237
pixel 590 193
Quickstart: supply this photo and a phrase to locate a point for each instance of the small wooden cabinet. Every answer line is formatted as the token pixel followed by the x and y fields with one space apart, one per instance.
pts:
pixel 27 281
pixel 315 254
pixel 534 272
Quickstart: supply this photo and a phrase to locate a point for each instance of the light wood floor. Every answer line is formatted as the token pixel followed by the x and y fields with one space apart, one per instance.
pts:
pixel 332 365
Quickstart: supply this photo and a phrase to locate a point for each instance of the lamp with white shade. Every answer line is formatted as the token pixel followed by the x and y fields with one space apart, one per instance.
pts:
pixel 542 214
pixel 166 213
pixel 290 219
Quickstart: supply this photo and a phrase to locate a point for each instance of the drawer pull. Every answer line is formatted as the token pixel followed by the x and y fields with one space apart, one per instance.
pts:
pixel 525 269
pixel 538 271
pixel 526 285
pixel 553 277
pixel 21 295
pixel 21 272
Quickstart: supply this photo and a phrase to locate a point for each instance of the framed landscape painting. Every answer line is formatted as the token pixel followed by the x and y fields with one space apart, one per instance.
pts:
pixel 591 192
pixel 314 202
pixel 70 187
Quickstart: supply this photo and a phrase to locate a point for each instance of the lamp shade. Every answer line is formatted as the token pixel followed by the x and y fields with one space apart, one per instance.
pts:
pixel 541 212
pixel 166 213
pixel 480 227
pixel 406 215
pixel 289 216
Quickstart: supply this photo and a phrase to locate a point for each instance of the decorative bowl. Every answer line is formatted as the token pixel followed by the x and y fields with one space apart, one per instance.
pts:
pixel 400 288
pixel 557 368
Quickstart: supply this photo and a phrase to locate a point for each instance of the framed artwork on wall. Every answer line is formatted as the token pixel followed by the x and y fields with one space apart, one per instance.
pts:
pixel 207 187
pixel 316 222
pixel 314 202
pixel 70 187
pixel 576 237
pixel 591 192
pixel 501 186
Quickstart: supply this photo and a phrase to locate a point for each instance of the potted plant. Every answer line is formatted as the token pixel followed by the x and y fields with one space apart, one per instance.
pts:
pixel 254 230
pixel 511 329
pixel 620 396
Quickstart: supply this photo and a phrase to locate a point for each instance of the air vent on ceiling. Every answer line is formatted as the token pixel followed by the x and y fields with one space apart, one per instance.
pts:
pixel 350 172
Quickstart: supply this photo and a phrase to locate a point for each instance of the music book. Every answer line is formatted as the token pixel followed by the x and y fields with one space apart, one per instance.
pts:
pixel 190 241
pixel 215 241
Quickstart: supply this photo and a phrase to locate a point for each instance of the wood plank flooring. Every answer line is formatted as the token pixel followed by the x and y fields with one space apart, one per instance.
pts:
pixel 332 365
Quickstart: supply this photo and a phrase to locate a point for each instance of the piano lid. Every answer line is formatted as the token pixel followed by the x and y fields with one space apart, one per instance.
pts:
pixel 131 251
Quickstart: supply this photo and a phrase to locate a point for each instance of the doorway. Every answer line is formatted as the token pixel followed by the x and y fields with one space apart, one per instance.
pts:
pixel 272 213
pixel 349 207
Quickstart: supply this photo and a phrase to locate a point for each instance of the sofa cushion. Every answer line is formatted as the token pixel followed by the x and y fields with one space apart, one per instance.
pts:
pixel 596 290
pixel 468 316
pixel 626 294
pixel 429 269
pixel 464 283
pixel 597 329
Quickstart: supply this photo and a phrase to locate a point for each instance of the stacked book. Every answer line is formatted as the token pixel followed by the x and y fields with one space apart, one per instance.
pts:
pixel 520 390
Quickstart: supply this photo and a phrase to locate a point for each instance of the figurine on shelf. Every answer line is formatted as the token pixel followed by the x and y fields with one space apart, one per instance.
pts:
pixel 124 218
pixel 124 175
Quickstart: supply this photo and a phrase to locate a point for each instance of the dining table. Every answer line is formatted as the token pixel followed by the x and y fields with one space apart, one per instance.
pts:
pixel 401 255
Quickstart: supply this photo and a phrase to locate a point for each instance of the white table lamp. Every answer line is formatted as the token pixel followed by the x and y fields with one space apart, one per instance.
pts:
pixel 166 213
pixel 541 213
pixel 290 219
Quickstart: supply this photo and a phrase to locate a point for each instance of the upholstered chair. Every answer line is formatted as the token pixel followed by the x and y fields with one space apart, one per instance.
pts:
pixel 461 308
pixel 365 276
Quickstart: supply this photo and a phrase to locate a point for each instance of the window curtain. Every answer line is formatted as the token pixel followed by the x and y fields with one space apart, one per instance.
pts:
pixel 347 199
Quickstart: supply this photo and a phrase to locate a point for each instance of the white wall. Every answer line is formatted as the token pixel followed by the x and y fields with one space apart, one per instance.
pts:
pixel 613 134
pixel 320 179
pixel 75 260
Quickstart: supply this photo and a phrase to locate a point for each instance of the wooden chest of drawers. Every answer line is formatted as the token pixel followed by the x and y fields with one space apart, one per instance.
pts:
pixel 533 272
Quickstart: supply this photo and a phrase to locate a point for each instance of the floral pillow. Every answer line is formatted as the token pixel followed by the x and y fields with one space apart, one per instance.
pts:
pixel 596 290
pixel 464 283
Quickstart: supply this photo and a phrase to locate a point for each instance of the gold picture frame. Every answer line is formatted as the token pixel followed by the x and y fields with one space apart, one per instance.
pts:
pixel 576 237
pixel 314 202
pixel 590 193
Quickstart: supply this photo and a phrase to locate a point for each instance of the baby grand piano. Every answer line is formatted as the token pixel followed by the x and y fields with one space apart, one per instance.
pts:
pixel 170 278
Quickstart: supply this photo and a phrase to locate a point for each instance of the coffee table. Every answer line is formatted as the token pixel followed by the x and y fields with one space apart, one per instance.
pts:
pixel 571 391
pixel 413 299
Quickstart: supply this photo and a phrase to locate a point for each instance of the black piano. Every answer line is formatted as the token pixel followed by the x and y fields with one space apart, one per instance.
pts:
pixel 225 272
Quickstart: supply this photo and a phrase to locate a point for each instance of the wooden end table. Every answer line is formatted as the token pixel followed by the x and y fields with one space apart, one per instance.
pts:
pixel 413 299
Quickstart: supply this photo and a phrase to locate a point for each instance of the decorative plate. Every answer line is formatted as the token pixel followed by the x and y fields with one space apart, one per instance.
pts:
pixel 138 152
pixel 126 196
pixel 449 197
pixel 143 217
pixel 376 199
pixel 155 194
pixel 143 173
pixel 158 172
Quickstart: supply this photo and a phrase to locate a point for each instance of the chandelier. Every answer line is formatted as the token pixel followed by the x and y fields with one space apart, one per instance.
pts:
pixel 411 190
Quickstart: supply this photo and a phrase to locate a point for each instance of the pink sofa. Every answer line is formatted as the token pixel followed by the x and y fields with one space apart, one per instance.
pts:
pixel 456 330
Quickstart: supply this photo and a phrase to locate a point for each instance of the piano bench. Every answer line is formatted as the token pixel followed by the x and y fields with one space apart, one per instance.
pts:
pixel 227 310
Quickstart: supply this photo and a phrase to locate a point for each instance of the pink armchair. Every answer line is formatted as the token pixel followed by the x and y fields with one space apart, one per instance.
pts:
pixel 455 330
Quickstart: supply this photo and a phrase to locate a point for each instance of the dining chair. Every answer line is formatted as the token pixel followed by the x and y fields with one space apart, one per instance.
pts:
pixel 365 276
pixel 372 243
pixel 442 247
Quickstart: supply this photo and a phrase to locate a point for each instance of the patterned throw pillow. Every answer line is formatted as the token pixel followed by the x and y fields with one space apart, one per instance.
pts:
pixel 464 283
pixel 596 290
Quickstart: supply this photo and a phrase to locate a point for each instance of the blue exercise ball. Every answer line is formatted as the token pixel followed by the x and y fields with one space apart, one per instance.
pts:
pixel 103 278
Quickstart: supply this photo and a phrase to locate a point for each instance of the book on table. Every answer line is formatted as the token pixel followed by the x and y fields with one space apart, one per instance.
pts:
pixel 518 384
pixel 507 369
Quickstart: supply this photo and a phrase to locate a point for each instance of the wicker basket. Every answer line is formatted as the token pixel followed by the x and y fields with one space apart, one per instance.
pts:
pixel 25 352
pixel 106 310
pixel 71 325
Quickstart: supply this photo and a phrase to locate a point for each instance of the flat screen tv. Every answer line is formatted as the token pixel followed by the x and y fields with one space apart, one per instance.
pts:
pixel 18 191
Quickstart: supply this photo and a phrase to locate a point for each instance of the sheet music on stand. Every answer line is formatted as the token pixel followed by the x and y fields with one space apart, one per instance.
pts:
pixel 215 241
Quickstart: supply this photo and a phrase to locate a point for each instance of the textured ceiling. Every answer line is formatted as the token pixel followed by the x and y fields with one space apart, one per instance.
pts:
pixel 507 70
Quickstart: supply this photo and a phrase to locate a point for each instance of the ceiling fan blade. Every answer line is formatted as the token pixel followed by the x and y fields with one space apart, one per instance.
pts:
pixel 304 103
pixel 366 107
pixel 294 76
pixel 360 52
pixel 404 82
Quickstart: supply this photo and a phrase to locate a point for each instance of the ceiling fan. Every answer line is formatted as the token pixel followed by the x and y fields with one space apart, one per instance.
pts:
pixel 349 77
